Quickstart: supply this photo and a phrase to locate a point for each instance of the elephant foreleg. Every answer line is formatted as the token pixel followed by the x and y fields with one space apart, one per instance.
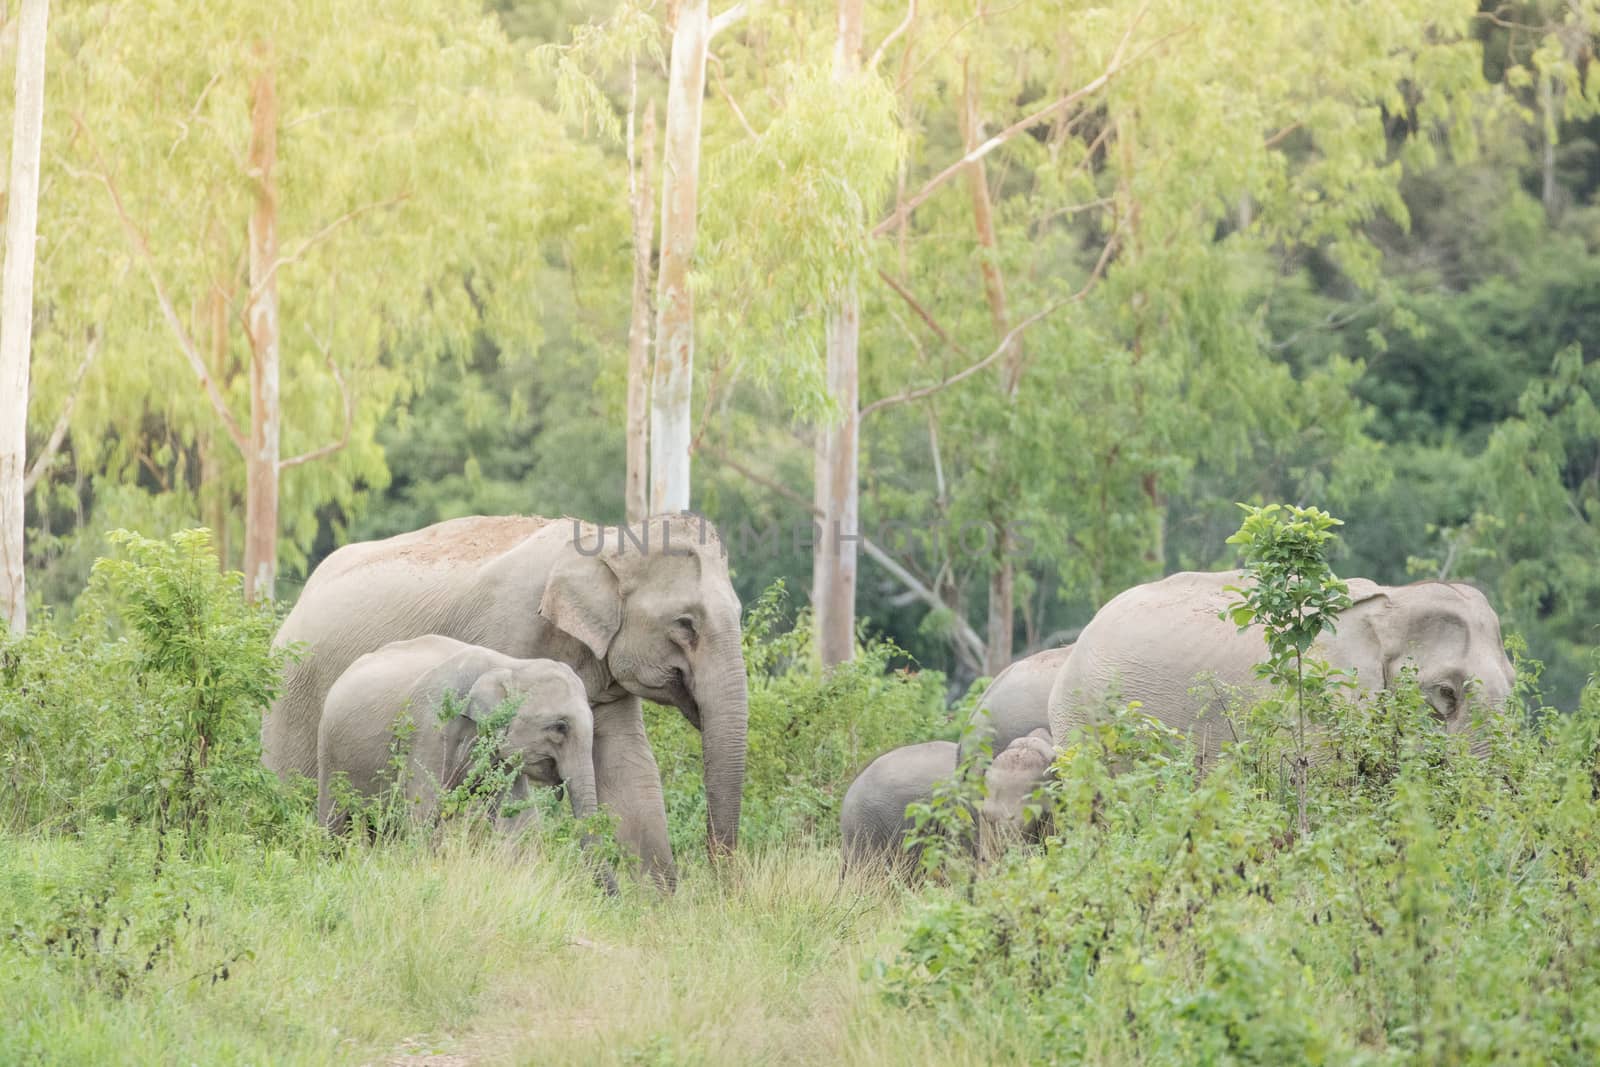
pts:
pixel 628 782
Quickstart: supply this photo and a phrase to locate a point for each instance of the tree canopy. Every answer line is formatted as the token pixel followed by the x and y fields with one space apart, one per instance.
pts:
pixel 1120 266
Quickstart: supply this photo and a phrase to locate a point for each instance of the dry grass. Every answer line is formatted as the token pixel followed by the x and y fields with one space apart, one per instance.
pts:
pixel 472 953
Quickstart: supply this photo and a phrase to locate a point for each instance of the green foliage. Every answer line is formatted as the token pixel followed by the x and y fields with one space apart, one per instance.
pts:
pixel 1442 913
pixel 811 731
pixel 1294 597
pixel 411 175
pixel 148 707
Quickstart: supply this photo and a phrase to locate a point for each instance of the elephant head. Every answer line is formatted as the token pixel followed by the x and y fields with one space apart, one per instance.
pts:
pixel 1009 782
pixel 1447 630
pixel 550 735
pixel 653 602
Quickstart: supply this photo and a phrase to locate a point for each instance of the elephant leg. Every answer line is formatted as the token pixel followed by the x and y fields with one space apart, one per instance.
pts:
pixel 628 782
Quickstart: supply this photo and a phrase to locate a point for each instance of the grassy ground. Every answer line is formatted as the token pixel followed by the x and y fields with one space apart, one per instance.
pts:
pixel 459 953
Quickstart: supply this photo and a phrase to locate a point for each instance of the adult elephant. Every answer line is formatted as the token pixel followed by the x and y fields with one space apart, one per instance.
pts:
pixel 1016 703
pixel 1163 645
pixel 640 612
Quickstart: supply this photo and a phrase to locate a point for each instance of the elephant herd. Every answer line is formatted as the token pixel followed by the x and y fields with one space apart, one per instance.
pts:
pixel 564 627
pixel 1165 645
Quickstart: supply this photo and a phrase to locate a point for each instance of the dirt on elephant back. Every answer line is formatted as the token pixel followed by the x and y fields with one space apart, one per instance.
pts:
pixel 471 538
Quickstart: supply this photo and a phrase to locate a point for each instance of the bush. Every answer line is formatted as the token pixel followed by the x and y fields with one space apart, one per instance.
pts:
pixel 1403 900
pixel 1446 910
pixel 148 709
pixel 811 730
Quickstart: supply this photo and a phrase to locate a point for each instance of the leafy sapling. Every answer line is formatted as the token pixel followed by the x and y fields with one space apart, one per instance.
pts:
pixel 1294 597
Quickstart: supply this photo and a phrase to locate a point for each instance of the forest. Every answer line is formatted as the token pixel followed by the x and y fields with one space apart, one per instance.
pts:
pixel 953 321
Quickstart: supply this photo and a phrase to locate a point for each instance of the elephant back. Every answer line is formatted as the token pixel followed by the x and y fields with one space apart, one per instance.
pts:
pixel 1016 703
pixel 1164 645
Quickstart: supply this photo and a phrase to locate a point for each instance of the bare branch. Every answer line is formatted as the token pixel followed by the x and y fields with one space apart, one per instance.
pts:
pixel 729 17
pixel 141 248
pixel 1005 342
pixel 964 633
pixel 924 315
pixel 713 452
pixel 722 87
pixel 58 433
pixel 349 417
pixel 905 24
pixel 931 56
pixel 1277 138
pixel 1115 67
pixel 1071 209
pixel 318 237
pixel 194 113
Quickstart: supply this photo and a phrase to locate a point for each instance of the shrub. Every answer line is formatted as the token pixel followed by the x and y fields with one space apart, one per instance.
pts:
pixel 148 708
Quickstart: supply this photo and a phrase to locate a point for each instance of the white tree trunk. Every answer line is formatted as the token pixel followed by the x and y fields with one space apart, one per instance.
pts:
pixel 16 305
pixel 836 475
pixel 1002 580
pixel 262 454
pixel 837 498
pixel 673 379
pixel 636 487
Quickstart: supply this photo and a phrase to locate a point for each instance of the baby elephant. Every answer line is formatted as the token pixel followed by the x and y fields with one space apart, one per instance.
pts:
pixel 872 818
pixel 1009 783
pixel 550 738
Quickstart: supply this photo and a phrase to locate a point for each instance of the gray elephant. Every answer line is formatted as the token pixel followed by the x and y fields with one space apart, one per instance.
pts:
pixel 550 735
pixel 872 817
pixel 1009 784
pixel 642 612
pixel 1163 644
pixel 1016 703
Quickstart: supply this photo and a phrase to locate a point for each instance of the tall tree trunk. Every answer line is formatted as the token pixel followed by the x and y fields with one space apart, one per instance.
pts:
pixel 1001 631
pixel 213 488
pixel 837 498
pixel 672 382
pixel 836 474
pixel 1550 117
pixel 636 487
pixel 261 458
pixel 16 305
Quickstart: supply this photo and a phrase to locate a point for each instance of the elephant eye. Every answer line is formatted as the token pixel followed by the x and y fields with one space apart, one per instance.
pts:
pixel 559 728
pixel 1448 693
pixel 684 625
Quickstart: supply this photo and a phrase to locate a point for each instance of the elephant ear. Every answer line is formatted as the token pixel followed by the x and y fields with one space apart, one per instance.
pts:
pixel 461 732
pixel 486 694
pixel 584 599
pixel 1360 635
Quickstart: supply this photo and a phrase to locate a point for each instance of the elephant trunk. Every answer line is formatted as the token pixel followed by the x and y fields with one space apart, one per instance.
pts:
pixel 581 789
pixel 579 781
pixel 724 701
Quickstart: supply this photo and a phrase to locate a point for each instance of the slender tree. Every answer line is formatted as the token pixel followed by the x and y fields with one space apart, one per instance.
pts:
pixel 837 474
pixel 262 458
pixel 295 258
pixel 672 379
pixel 637 491
pixel 16 305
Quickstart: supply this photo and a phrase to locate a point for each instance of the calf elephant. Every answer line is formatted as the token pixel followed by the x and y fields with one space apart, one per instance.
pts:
pixel 641 612
pixel 1016 703
pixel 550 736
pixel 872 817
pixel 1163 645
